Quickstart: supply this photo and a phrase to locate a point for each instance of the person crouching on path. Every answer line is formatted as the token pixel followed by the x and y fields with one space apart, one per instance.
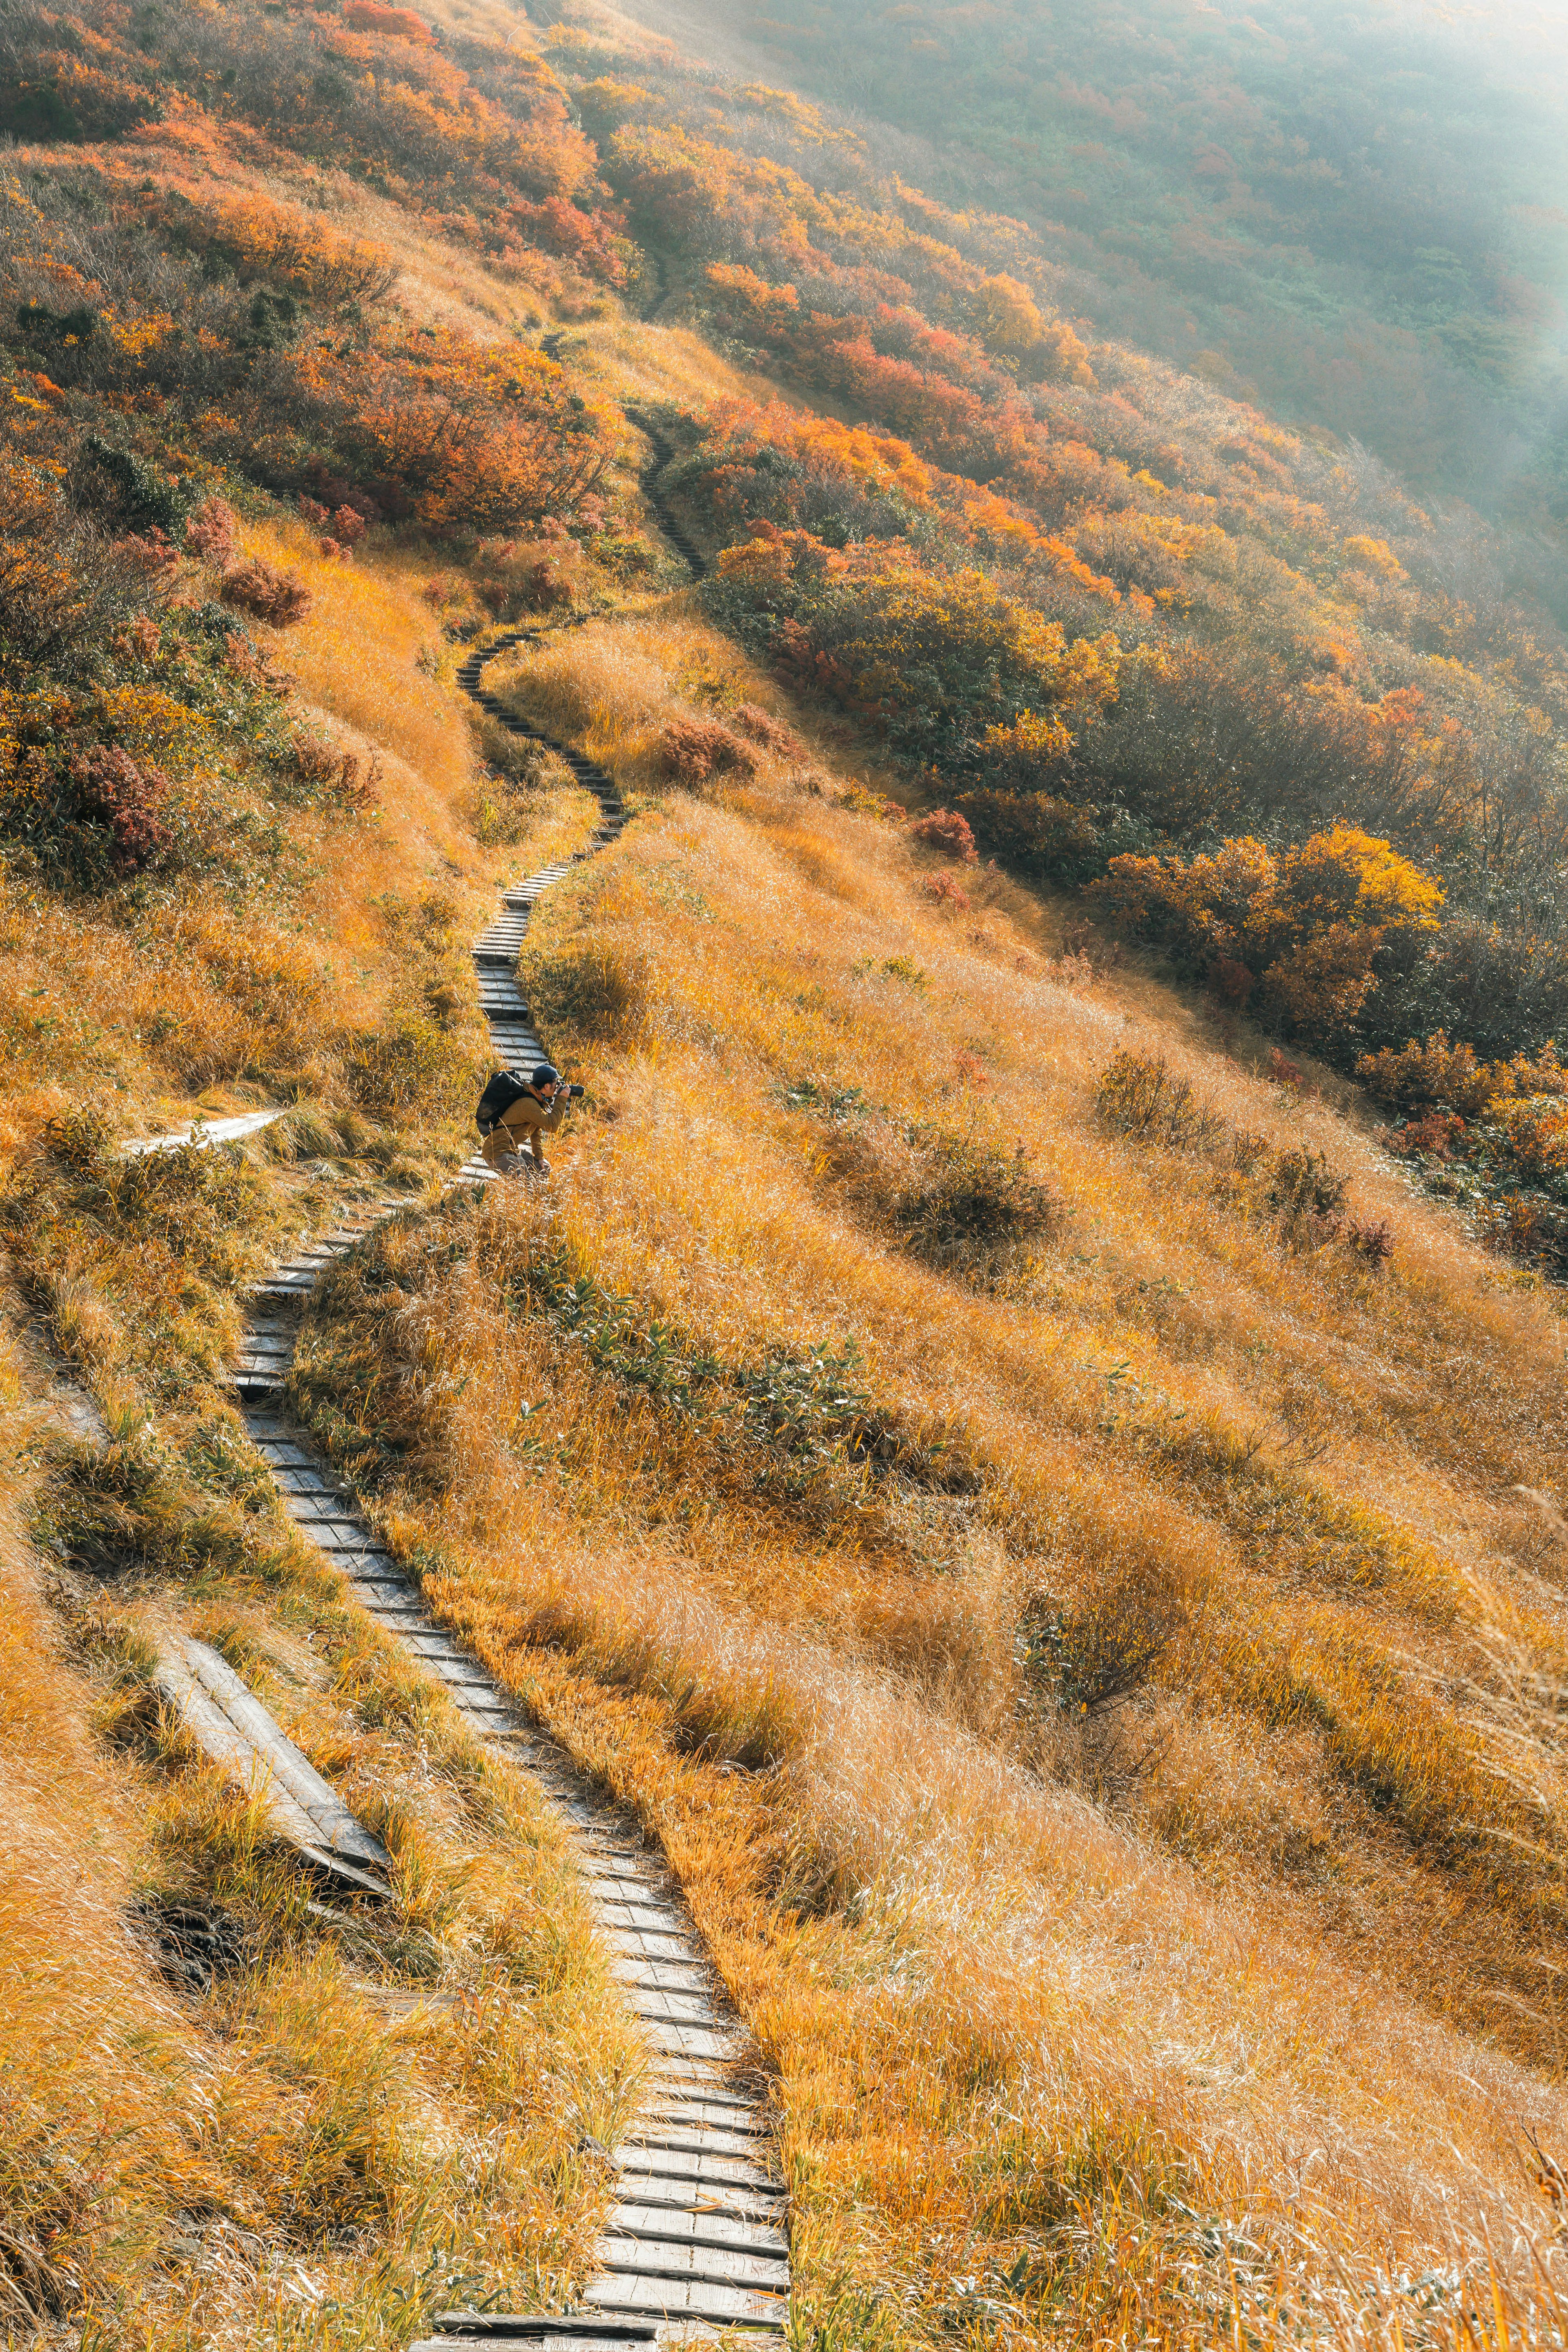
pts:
pixel 524 1124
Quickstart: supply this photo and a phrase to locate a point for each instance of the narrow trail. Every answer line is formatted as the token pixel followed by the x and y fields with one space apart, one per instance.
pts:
pixel 661 291
pixel 697 2239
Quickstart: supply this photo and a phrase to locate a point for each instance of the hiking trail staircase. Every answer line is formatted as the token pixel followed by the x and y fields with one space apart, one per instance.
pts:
pixel 697 2239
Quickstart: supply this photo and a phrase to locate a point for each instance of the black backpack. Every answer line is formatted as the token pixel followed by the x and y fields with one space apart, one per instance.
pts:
pixel 506 1088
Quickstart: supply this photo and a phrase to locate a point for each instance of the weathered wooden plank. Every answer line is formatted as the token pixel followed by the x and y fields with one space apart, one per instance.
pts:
pixel 335 1825
pixel 668 1975
pixel 235 1730
pixel 544 2325
pixel 712 2139
pixel 637 2160
pixel 672 2041
pixel 621 1913
pixel 650 1944
pixel 679 2225
pixel 718 2265
pixel 674 2009
pixel 687 2299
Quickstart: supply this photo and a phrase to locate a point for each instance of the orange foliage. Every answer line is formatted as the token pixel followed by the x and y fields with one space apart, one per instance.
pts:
pixel 1308 925
pixel 402 24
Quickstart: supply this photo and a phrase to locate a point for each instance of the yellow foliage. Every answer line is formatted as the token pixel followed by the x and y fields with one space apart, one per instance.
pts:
pixel 1375 555
pixel 1346 874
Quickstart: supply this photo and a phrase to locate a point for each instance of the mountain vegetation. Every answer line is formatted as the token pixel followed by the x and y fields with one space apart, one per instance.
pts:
pixel 1023 1443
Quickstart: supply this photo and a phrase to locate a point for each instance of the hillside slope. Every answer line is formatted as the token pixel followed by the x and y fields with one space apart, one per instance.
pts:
pixel 1052 1525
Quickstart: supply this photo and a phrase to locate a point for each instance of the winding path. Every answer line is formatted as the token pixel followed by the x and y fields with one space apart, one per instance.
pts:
pixel 697 2239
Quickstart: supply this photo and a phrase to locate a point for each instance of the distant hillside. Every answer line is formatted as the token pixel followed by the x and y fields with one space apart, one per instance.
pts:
pixel 1353 214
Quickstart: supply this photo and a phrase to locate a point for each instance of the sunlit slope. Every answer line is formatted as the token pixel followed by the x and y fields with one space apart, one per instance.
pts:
pixel 893 1425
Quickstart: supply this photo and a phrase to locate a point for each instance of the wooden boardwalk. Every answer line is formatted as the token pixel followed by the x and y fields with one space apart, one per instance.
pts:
pixel 234 1731
pixel 697 2239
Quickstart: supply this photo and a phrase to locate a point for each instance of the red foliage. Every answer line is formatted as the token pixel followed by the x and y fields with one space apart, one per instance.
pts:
pixel 1374 1241
pixel 129 798
pixel 213 533
pixel 142 642
pixel 691 751
pixel 150 551
pixel 260 589
pixel 1283 1072
pixel 945 829
pixel 948 891
pixel 1231 982
pixel 1439 1132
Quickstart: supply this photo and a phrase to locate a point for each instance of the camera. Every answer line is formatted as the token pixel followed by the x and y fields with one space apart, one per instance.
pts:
pixel 576 1093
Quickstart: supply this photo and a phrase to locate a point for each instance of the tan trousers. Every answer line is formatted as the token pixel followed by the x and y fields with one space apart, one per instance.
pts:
pixel 521 1129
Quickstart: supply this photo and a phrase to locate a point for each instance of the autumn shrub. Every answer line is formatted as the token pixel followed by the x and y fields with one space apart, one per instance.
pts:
pixel 1314 928
pixel 128 798
pixel 692 751
pixel 62 591
pixel 409 1060
pixel 1305 1195
pixel 973 1211
pixel 1439 1132
pixel 351 778
pixel 955 1202
pixel 929 657
pixel 948 892
pixel 1430 1074
pixel 1534 1132
pixel 1139 1095
pixel 599 993
pixel 511 577
pixel 1037 832
pixel 1371 1238
pixel 265 592
pixel 1436 1072
pixel 213 533
pixel 945 830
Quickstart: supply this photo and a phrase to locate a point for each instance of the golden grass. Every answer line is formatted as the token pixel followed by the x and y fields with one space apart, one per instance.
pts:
pixel 372 2112
pixel 1241 1945
pixel 224 1000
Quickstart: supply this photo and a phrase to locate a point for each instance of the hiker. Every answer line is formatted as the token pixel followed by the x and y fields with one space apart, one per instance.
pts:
pixel 516 1113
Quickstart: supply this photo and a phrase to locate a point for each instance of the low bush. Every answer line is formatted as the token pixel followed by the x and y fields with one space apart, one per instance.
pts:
pixel 954 1203
pixel 692 751
pixel 1306 1196
pixel 213 533
pixel 944 829
pixel 1139 1095
pixel 128 798
pixel 590 991
pixel 410 1060
pixel 266 593
pixel 761 727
